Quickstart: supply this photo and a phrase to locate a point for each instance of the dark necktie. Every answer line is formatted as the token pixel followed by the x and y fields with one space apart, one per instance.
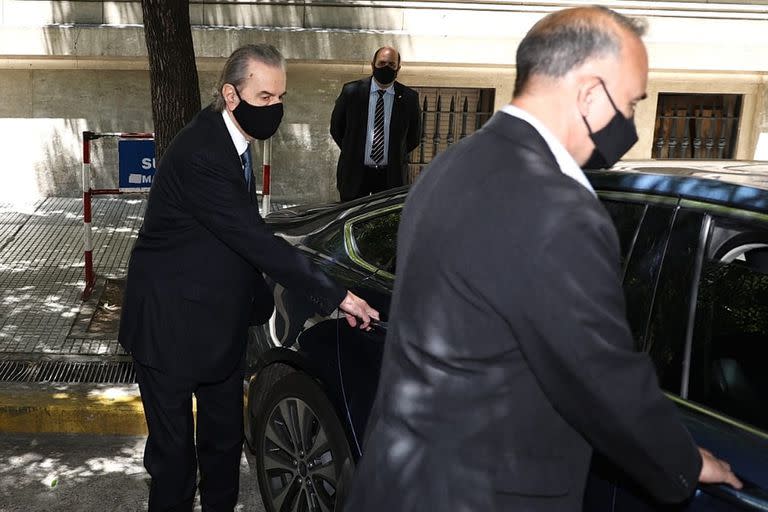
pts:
pixel 377 145
pixel 247 167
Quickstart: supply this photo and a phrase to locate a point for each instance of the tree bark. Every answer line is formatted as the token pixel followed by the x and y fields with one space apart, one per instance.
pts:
pixel 172 70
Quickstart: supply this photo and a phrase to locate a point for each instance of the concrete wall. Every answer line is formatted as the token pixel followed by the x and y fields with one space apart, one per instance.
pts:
pixel 761 137
pixel 42 114
pixel 68 66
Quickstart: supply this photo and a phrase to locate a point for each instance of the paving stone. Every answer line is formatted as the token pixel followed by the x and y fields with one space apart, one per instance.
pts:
pixel 42 270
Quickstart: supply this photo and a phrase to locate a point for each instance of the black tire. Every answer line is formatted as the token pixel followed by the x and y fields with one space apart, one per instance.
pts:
pixel 300 447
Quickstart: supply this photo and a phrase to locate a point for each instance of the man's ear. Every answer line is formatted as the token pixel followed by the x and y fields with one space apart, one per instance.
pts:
pixel 586 94
pixel 229 94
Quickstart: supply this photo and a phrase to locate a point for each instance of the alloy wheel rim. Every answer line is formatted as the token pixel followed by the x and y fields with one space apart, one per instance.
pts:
pixel 299 465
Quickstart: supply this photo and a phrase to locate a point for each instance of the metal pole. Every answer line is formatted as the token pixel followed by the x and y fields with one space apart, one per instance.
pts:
pixel 90 279
pixel 266 200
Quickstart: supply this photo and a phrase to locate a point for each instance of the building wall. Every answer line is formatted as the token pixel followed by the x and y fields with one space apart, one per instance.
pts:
pixel 69 66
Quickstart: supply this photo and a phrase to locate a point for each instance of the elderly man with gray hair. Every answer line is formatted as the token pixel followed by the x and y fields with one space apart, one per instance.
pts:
pixel 195 283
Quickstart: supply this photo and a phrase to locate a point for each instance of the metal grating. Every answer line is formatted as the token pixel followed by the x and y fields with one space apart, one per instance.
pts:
pixel 100 372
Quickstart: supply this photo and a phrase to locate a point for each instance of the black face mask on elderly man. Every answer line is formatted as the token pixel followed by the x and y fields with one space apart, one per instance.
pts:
pixel 259 122
pixel 612 141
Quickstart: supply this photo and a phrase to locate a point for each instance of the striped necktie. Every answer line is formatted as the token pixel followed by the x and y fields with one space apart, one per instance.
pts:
pixel 377 145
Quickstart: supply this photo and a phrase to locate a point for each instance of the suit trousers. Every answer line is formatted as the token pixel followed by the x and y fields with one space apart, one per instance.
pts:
pixel 174 450
pixel 374 180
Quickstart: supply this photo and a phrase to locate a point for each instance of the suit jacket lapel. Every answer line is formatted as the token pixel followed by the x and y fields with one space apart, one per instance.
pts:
pixel 397 112
pixel 252 190
pixel 229 152
pixel 229 155
pixel 364 98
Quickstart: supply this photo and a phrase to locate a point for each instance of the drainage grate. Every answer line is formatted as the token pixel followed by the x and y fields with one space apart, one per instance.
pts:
pixel 101 372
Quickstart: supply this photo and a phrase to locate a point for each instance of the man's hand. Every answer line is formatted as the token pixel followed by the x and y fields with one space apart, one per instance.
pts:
pixel 355 309
pixel 716 471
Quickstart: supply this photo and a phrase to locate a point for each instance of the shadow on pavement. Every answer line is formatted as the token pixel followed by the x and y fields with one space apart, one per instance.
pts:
pixel 86 473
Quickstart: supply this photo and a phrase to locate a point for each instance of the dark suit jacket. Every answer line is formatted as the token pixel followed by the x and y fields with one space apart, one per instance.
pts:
pixel 509 357
pixel 349 124
pixel 196 270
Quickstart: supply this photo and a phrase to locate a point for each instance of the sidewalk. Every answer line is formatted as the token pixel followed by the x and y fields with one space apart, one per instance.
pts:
pixel 45 346
pixel 61 381
pixel 76 473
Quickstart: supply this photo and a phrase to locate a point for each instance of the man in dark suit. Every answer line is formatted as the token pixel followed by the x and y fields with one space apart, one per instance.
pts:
pixel 376 123
pixel 195 281
pixel 509 356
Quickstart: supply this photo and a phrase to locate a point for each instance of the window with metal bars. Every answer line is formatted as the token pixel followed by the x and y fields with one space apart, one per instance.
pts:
pixel 447 116
pixel 696 126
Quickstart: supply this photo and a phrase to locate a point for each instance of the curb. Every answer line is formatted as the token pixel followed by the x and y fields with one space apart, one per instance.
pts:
pixel 108 409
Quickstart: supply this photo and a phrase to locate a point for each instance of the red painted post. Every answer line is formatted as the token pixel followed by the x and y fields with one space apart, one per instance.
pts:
pixel 90 278
pixel 266 199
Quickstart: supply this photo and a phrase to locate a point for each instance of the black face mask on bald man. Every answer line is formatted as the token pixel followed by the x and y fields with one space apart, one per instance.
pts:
pixel 613 141
pixel 384 75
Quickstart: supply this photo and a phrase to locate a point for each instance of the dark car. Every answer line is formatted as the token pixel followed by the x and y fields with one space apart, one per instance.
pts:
pixel 694 246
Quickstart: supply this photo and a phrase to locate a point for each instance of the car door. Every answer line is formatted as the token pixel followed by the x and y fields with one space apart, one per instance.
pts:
pixel 685 296
pixel 643 224
pixel 370 242
pixel 724 387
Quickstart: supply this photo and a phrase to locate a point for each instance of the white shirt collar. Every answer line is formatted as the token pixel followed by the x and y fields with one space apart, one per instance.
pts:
pixel 565 161
pixel 241 143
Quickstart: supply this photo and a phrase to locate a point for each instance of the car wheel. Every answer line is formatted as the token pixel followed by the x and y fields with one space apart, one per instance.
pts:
pixel 300 447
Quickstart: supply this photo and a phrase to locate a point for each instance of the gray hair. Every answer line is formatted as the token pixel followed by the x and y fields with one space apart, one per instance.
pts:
pixel 236 69
pixel 565 39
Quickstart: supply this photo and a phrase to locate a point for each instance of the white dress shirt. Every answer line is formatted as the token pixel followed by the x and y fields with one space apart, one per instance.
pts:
pixel 241 143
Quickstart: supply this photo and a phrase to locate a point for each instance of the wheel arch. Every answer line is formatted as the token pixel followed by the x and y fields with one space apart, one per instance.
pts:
pixel 278 362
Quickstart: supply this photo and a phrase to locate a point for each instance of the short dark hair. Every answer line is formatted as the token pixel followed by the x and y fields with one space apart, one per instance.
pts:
pixel 376 54
pixel 236 68
pixel 565 39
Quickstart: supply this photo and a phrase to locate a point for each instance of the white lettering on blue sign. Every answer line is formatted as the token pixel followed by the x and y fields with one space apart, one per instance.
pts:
pixel 147 163
pixel 139 179
pixel 136 164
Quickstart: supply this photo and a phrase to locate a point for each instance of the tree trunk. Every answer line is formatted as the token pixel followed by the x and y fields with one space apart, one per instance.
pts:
pixel 172 70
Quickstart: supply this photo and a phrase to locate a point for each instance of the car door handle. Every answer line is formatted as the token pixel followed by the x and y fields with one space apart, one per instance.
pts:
pixel 749 497
pixel 379 325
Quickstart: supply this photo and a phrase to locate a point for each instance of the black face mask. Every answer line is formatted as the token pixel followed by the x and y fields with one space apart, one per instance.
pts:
pixel 259 122
pixel 385 75
pixel 613 141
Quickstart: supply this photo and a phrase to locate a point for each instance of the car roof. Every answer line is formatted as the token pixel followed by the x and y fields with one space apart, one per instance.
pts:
pixel 738 184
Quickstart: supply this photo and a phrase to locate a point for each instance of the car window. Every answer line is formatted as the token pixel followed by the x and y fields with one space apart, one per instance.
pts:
pixel 730 336
pixel 643 267
pixel 626 217
pixel 375 238
pixel 665 338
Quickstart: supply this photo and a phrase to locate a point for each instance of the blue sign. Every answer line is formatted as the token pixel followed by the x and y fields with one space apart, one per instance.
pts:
pixel 137 164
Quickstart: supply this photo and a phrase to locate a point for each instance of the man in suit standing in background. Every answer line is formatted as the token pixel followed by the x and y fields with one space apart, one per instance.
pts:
pixel 508 356
pixel 195 282
pixel 376 123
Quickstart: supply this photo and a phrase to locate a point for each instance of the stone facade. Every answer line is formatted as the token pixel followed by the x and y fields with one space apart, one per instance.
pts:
pixel 69 66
